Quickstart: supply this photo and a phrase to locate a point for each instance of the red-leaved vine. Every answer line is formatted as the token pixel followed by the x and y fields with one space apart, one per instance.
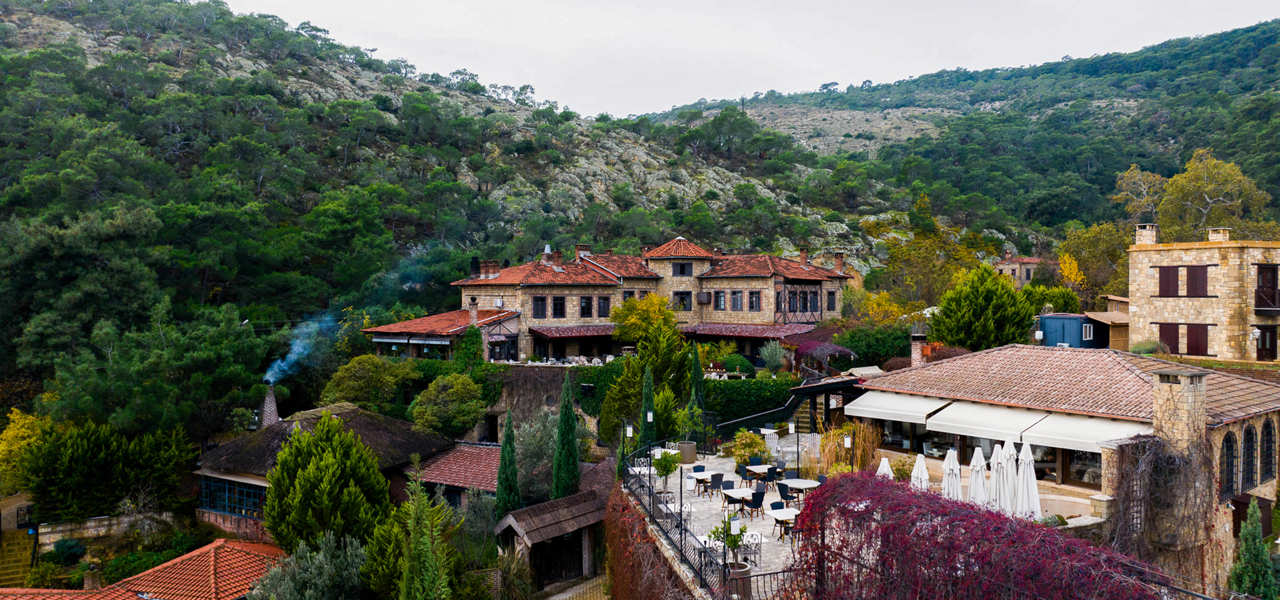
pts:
pixel 637 569
pixel 865 537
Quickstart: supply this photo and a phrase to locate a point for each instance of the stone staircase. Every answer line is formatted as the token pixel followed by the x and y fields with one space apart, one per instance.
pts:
pixel 802 417
pixel 15 557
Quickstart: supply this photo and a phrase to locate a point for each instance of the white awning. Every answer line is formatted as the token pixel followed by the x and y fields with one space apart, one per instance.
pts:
pixel 391 339
pixel 894 407
pixel 999 423
pixel 1075 432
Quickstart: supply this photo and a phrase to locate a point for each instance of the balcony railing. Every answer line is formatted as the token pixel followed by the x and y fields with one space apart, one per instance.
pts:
pixel 1266 299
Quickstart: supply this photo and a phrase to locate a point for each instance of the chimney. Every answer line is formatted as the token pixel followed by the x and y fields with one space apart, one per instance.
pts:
pixel 93 577
pixel 1179 410
pixel 1219 234
pixel 804 256
pixel 546 254
pixel 839 262
pixel 269 414
pixel 472 311
pixel 581 250
pixel 556 258
pixel 1147 233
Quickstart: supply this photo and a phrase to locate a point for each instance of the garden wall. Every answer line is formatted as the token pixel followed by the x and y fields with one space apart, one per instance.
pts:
pixel 97 527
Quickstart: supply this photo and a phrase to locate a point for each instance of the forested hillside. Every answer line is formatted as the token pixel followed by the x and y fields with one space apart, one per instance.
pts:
pixel 1043 144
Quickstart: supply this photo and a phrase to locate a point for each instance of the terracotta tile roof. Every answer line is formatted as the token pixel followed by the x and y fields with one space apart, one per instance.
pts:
pixel 446 323
pixel 1020 260
pixel 465 466
pixel 572 331
pixel 772 332
pixel 1086 381
pixel 223 570
pixel 678 248
pixel 622 265
pixel 764 265
pixel 540 273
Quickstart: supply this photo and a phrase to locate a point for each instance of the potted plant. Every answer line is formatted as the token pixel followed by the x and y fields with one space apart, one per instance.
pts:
pixel 664 466
pixel 731 534
pixel 689 421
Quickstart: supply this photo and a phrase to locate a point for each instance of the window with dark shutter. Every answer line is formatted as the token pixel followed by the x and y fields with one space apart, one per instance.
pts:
pixel 557 307
pixel 718 302
pixel 1268 456
pixel 1249 459
pixel 1168 281
pixel 1169 336
pixel 753 301
pixel 1198 281
pixel 1198 340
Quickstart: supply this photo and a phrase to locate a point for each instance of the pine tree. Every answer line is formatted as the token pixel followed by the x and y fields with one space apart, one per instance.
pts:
pixel 1251 574
pixel 647 432
pixel 564 470
pixel 429 557
pixel 325 480
pixel 982 311
pixel 508 475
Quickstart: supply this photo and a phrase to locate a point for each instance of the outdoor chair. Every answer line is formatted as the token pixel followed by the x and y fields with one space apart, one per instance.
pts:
pixel 699 468
pixel 772 475
pixel 744 474
pixel 781 464
pixel 754 460
pixel 751 543
pixel 756 504
pixel 713 486
pixel 784 492
pixel 792 474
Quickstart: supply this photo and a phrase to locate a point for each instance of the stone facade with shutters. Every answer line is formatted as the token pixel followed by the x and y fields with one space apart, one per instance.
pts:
pixel 1229 306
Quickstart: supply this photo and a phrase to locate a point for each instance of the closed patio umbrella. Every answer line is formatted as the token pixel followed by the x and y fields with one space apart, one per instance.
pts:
pixel 1027 504
pixel 920 474
pixel 978 478
pixel 885 470
pixel 997 477
pixel 1009 478
pixel 951 476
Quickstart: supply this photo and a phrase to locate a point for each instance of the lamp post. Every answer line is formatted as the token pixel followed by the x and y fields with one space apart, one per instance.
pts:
pixel 848 445
pixel 791 430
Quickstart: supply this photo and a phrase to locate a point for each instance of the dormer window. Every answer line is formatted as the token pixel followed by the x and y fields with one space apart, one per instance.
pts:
pixel 682 269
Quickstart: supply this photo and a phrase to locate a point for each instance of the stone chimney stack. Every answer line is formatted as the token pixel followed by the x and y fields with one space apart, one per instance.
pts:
pixel 917 349
pixel 1179 408
pixel 804 256
pixel 556 258
pixel 93 577
pixel 1147 233
pixel 581 250
pixel 270 413
pixel 473 310
pixel 1219 234
pixel 546 254
pixel 839 262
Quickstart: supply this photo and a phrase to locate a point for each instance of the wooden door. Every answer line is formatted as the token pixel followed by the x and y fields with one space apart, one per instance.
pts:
pixel 1266 342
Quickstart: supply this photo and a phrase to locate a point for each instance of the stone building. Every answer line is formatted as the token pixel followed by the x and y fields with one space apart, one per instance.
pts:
pixel 1022 269
pixel 556 308
pixel 1078 407
pixel 1216 298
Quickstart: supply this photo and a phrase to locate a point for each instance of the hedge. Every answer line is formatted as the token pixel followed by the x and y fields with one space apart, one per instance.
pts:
pixel 736 398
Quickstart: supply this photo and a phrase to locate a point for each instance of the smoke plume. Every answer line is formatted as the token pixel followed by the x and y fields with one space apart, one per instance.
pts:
pixel 304 339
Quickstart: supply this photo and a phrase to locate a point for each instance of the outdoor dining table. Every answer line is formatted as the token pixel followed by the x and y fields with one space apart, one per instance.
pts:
pixel 742 494
pixel 759 469
pixel 641 470
pixel 704 475
pixel 800 485
pixel 659 452
pixel 782 514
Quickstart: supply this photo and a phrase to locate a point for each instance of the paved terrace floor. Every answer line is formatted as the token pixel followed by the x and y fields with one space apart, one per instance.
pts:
pixel 707 513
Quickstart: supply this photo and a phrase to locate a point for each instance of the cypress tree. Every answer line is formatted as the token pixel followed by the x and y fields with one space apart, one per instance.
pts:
pixel 697 381
pixel 647 427
pixel 1251 574
pixel 508 477
pixel 564 469
pixel 982 311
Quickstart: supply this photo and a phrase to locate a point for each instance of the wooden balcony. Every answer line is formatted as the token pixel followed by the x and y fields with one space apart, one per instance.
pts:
pixel 1266 301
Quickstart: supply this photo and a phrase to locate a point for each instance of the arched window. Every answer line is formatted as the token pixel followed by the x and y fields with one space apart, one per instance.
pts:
pixel 1227 466
pixel 1268 451
pixel 1249 459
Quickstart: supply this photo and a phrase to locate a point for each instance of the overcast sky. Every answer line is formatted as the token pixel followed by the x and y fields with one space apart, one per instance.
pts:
pixel 636 57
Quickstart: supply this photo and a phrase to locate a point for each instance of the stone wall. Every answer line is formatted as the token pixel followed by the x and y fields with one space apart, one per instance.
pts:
pixel 526 391
pixel 98 527
pixel 243 528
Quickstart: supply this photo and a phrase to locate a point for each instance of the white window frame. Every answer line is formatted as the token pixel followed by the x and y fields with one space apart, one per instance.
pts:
pixel 1086 332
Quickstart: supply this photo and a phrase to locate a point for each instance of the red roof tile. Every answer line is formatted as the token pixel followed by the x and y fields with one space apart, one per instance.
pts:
pixel 748 331
pixel 446 323
pixel 623 265
pixel 764 265
pixel 572 331
pixel 465 466
pixel 540 273
pixel 1087 381
pixel 223 570
pixel 678 248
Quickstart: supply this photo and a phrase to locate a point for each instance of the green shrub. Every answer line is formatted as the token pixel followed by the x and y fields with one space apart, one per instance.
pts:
pixel 747 445
pixel 902 467
pixel 737 363
pixel 44 575
pixel 873 345
pixel 66 552
pixel 1147 347
pixel 737 398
